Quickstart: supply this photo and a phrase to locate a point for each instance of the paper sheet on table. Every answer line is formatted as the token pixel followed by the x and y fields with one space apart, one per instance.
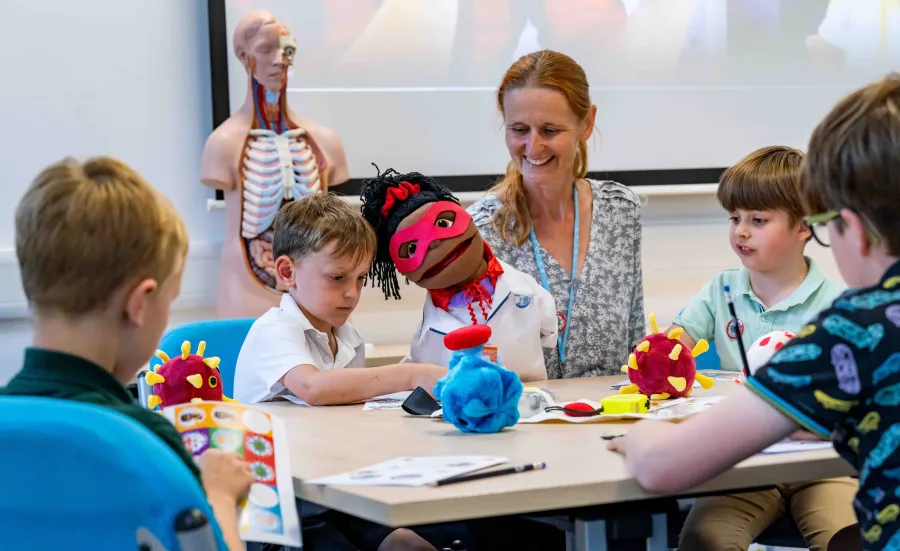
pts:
pixel 715 374
pixel 375 405
pixel 626 382
pixel 403 395
pixel 671 410
pixel 412 471
pixel 790 446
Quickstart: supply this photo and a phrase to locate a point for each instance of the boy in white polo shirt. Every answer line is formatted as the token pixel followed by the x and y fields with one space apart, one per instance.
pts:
pixel 323 250
pixel 777 288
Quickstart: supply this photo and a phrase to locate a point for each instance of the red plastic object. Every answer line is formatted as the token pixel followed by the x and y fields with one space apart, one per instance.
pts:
pixel 579 409
pixel 467 337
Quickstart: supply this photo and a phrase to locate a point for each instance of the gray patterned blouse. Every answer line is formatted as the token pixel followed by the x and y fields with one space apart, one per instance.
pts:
pixel 608 317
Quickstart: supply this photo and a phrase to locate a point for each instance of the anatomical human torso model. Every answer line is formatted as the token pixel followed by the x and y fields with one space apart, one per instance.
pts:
pixel 261 157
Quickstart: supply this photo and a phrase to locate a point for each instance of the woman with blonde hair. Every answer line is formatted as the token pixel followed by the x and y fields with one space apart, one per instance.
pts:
pixel 579 238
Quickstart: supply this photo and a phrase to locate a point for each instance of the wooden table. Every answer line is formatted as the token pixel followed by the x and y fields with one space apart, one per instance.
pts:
pixel 580 470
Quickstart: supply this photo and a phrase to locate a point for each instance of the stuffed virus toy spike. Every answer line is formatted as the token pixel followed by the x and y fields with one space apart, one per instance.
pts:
pixel 661 367
pixel 185 378
pixel 476 394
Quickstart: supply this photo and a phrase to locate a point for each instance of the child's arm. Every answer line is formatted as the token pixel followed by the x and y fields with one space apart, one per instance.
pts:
pixel 698 318
pixel 663 455
pixel 226 479
pixel 346 386
pixel 685 337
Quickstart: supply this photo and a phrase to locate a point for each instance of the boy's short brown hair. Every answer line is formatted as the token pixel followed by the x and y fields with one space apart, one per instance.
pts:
pixel 307 225
pixel 83 230
pixel 767 179
pixel 854 160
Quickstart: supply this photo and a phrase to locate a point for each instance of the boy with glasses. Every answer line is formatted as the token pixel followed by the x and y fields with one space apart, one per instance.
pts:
pixel 840 377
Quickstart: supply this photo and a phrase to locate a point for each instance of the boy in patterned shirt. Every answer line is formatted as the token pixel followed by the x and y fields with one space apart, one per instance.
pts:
pixel 840 377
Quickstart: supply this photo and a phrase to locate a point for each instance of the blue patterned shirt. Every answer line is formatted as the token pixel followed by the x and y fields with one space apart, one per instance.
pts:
pixel 840 379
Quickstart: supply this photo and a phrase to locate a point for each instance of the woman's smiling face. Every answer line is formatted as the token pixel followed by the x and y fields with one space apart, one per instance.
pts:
pixel 542 133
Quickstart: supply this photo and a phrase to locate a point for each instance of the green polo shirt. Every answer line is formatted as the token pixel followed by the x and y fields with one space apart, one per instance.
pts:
pixel 707 316
pixel 57 375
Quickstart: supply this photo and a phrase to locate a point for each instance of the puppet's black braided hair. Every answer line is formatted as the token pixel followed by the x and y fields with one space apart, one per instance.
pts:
pixel 374 194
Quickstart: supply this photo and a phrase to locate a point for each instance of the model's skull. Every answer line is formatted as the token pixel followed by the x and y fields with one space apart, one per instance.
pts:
pixel 288 47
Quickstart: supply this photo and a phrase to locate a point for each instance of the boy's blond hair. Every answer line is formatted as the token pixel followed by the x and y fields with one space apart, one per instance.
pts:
pixel 766 179
pixel 307 225
pixel 854 160
pixel 84 230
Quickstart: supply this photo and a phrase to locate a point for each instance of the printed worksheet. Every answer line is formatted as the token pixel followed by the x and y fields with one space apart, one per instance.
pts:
pixel 269 514
pixel 412 471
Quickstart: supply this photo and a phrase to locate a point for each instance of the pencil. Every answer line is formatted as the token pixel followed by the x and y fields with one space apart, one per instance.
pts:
pixel 491 474
pixel 737 330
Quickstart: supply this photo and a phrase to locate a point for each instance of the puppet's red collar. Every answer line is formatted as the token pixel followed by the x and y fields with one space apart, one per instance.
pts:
pixel 474 290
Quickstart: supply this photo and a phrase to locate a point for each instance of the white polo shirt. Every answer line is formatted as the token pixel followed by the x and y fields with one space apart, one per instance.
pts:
pixel 280 340
pixel 522 318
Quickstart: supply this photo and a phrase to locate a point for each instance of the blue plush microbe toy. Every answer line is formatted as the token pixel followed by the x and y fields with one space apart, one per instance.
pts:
pixel 477 395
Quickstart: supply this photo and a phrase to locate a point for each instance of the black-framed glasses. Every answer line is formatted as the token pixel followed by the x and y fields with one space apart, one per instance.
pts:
pixel 817 225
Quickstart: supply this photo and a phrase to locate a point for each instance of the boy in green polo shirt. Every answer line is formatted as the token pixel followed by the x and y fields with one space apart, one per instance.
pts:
pixel 777 288
pixel 101 255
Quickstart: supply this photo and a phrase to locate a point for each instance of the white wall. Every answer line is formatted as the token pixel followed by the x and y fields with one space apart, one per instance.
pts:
pixel 123 78
pixel 131 79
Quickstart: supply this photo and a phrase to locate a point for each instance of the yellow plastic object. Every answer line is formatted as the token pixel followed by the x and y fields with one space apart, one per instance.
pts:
pixel 619 404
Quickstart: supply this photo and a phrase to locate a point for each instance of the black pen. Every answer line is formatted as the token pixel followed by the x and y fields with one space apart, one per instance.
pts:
pixel 737 330
pixel 490 474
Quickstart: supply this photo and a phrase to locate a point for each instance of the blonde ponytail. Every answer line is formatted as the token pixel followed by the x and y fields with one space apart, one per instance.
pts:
pixel 580 167
pixel 512 220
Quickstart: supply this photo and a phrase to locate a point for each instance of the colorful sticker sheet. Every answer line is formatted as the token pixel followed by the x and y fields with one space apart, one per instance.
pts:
pixel 269 514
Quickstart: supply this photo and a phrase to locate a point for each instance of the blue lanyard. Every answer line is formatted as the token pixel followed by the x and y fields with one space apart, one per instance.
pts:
pixel 563 336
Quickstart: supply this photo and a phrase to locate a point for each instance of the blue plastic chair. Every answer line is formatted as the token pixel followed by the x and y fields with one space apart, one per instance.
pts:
pixel 224 339
pixel 80 476
pixel 709 359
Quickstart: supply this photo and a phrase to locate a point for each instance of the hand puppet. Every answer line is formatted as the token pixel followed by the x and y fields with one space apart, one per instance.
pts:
pixel 424 234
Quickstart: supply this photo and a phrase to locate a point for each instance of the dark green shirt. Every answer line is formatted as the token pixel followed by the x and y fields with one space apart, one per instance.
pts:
pixel 57 375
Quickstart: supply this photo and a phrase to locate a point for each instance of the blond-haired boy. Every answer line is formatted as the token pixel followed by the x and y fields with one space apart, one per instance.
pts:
pixel 306 349
pixel 101 255
pixel 323 250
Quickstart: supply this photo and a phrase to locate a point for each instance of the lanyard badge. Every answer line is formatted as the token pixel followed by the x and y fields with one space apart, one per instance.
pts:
pixel 562 322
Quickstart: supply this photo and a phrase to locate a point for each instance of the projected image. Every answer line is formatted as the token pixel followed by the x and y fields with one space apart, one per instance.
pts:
pixel 858 32
pixel 470 43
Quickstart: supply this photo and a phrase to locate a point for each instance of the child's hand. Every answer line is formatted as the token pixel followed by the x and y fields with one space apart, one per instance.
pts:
pixel 225 475
pixel 803 435
pixel 618 444
pixel 427 376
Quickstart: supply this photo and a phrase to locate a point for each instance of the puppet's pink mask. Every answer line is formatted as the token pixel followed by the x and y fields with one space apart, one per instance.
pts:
pixel 427 230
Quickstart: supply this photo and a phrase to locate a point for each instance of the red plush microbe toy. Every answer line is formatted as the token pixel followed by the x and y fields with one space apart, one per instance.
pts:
pixel 661 368
pixel 185 378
